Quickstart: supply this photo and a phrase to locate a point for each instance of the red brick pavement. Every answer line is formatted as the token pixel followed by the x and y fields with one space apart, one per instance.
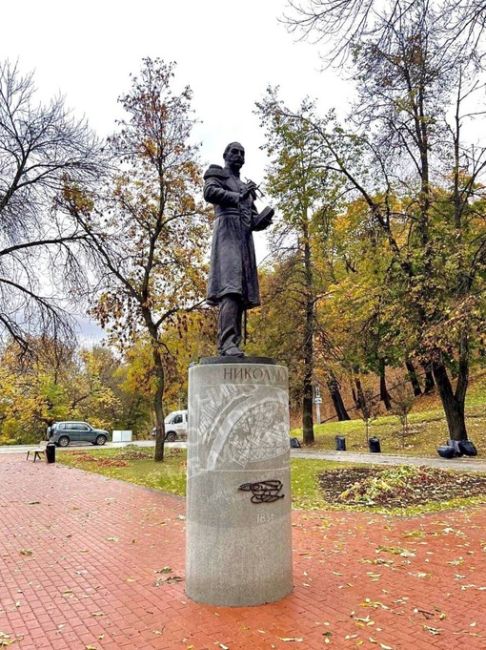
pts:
pixel 80 555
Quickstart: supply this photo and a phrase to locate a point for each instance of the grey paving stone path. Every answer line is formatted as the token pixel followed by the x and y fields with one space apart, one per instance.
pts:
pixel 19 449
pixel 465 464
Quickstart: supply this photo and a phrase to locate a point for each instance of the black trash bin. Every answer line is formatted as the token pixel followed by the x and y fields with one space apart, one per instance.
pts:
pixel 467 447
pixel 445 451
pixel 374 445
pixel 51 452
pixel 340 443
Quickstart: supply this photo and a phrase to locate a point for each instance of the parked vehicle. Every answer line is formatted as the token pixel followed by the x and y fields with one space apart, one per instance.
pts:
pixel 63 433
pixel 175 426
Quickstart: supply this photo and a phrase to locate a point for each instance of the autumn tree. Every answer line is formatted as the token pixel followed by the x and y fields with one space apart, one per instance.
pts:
pixel 189 336
pixel 42 146
pixel 306 196
pixel 403 399
pixel 408 160
pixel 276 328
pixel 55 381
pixel 146 227
pixel 355 313
pixel 405 90
pixel 93 390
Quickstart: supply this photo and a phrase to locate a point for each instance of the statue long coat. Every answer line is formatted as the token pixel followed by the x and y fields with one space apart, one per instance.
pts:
pixel 233 265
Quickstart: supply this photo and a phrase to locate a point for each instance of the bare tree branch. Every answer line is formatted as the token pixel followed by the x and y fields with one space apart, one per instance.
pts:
pixel 41 146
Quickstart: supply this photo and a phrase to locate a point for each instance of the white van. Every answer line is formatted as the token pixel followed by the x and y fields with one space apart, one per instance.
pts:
pixel 176 426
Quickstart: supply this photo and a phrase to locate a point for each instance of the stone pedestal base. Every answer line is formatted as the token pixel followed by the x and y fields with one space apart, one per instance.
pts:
pixel 238 497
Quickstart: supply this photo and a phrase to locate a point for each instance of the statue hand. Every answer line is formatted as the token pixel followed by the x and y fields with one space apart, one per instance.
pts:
pixel 249 189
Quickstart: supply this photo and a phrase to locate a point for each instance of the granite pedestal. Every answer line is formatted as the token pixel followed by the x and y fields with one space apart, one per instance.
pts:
pixel 238 547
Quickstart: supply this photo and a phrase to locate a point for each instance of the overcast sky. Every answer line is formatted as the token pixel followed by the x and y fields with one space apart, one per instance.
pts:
pixel 228 51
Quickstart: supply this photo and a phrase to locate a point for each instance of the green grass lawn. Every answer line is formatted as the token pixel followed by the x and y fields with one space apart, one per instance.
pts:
pixel 136 465
pixel 170 476
pixel 427 427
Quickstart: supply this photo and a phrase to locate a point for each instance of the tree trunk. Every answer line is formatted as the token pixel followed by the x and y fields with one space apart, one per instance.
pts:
pixel 360 398
pixel 307 411
pixel 412 376
pixel 429 379
pixel 453 404
pixel 307 415
pixel 384 394
pixel 158 404
pixel 308 347
pixel 337 400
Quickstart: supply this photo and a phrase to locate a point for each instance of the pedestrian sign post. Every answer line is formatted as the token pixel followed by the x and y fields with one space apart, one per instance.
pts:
pixel 317 401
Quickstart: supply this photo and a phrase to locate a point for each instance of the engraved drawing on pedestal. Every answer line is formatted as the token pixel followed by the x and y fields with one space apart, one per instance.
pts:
pixel 241 424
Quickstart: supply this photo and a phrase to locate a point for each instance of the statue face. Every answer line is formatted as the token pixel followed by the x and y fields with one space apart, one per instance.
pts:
pixel 235 156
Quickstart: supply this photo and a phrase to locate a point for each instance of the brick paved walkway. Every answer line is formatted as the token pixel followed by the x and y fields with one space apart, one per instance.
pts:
pixel 80 561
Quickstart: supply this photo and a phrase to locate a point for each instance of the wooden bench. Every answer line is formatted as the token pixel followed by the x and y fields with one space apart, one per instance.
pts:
pixel 37 452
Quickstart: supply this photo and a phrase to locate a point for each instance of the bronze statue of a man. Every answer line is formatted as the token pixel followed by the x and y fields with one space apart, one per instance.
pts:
pixel 233 278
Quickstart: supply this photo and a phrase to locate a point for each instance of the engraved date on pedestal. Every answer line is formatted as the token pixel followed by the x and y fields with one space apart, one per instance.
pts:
pixel 265 517
pixel 263 491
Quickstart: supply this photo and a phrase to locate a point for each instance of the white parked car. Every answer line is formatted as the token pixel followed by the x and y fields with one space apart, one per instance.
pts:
pixel 175 426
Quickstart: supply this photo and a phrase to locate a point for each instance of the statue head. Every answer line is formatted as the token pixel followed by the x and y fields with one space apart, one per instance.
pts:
pixel 234 155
